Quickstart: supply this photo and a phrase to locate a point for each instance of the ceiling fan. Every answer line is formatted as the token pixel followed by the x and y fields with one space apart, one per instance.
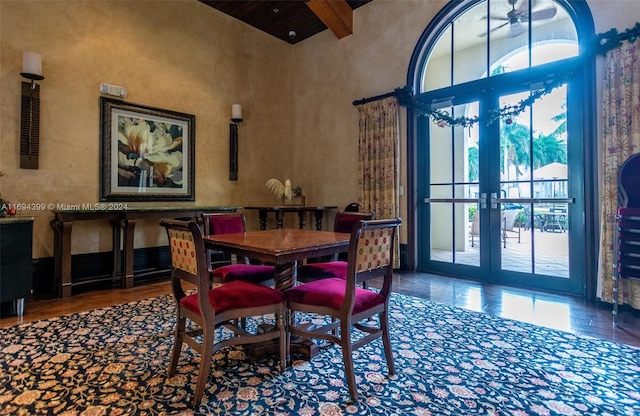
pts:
pixel 517 16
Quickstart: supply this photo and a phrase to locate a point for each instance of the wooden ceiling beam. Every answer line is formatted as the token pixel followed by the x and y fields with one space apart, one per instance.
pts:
pixel 337 15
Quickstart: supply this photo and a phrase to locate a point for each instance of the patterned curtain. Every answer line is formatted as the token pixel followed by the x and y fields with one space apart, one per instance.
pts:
pixel 379 160
pixel 621 139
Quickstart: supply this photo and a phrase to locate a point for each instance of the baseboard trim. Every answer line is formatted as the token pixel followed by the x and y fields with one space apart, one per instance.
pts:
pixel 92 270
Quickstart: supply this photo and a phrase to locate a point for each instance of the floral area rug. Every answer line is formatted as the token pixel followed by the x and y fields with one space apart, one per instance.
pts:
pixel 449 361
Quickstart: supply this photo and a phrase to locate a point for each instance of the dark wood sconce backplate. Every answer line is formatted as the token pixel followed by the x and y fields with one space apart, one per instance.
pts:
pixel 30 125
pixel 233 151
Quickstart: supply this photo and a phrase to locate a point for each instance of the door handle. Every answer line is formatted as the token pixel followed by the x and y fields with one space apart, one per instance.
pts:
pixel 494 200
pixel 483 200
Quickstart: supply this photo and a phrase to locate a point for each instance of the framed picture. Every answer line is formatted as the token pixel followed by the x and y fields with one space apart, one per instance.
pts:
pixel 147 153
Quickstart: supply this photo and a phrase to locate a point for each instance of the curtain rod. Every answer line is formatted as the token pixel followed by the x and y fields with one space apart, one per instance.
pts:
pixel 376 98
pixel 398 92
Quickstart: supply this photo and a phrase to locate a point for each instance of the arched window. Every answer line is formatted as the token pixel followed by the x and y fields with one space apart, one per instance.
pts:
pixel 485 39
pixel 513 66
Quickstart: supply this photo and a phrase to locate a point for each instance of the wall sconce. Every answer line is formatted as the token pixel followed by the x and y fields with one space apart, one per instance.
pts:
pixel 236 117
pixel 30 110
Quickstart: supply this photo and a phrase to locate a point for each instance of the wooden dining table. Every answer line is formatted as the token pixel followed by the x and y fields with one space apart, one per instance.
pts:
pixel 284 248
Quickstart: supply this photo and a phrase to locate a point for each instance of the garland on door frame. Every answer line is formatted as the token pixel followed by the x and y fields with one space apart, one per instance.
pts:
pixel 600 45
pixel 442 118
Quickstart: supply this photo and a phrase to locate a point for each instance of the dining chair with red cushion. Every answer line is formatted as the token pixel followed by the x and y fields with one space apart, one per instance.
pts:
pixel 345 304
pixel 209 307
pixel 337 267
pixel 227 223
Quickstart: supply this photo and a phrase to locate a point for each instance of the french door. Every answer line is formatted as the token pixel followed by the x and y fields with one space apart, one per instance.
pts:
pixel 502 201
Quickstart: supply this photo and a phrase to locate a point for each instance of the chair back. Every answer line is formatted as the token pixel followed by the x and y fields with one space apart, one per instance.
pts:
pixel 215 223
pixel 352 207
pixel 629 183
pixel 223 222
pixel 371 250
pixel 475 223
pixel 344 223
pixel 628 243
pixel 345 220
pixel 188 260
pixel 509 219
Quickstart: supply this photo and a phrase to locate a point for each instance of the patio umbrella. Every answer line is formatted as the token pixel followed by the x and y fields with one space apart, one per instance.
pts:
pixel 553 170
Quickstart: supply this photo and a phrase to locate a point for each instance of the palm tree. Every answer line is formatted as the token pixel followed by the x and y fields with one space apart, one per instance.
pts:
pixel 473 158
pixel 548 149
pixel 514 137
pixel 562 119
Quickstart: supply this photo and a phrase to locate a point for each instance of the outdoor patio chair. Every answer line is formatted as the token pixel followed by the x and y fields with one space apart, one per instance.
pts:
pixel 474 229
pixel 533 220
pixel 509 219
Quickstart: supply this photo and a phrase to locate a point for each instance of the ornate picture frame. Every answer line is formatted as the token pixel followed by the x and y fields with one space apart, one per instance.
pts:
pixel 147 153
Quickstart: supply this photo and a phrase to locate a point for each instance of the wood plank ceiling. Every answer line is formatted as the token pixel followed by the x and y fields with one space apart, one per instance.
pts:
pixel 292 20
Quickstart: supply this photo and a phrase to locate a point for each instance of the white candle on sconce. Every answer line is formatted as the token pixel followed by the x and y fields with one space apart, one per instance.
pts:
pixel 236 113
pixel 32 63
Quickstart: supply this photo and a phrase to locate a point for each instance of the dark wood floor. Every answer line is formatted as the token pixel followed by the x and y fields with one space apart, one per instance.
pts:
pixel 565 313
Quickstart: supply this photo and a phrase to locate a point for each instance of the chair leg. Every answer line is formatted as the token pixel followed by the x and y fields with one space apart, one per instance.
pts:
pixel 386 342
pixel 205 364
pixel 284 341
pixel 347 356
pixel 177 344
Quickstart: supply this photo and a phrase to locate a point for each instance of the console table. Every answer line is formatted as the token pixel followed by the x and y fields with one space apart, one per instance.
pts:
pixel 302 210
pixel 123 224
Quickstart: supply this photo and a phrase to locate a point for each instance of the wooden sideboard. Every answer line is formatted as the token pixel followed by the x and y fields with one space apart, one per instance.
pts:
pixel 123 224
pixel 16 264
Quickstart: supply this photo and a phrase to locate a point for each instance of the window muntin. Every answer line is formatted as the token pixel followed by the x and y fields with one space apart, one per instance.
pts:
pixel 472 47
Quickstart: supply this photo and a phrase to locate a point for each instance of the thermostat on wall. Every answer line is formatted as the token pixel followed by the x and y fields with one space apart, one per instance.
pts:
pixel 113 90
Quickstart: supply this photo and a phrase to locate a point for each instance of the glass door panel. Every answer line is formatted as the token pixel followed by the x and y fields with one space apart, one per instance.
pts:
pixel 498 200
pixel 534 198
pixel 454 198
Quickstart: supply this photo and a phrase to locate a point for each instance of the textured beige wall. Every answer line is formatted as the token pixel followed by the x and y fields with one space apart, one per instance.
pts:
pixel 177 55
pixel 372 61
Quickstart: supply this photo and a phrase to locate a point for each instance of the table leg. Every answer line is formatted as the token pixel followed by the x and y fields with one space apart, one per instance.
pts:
pixel 279 219
pixel 127 259
pixel 262 214
pixel 318 215
pixel 285 278
pixel 286 275
pixel 62 254
pixel 19 306
pixel 302 219
pixel 115 249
